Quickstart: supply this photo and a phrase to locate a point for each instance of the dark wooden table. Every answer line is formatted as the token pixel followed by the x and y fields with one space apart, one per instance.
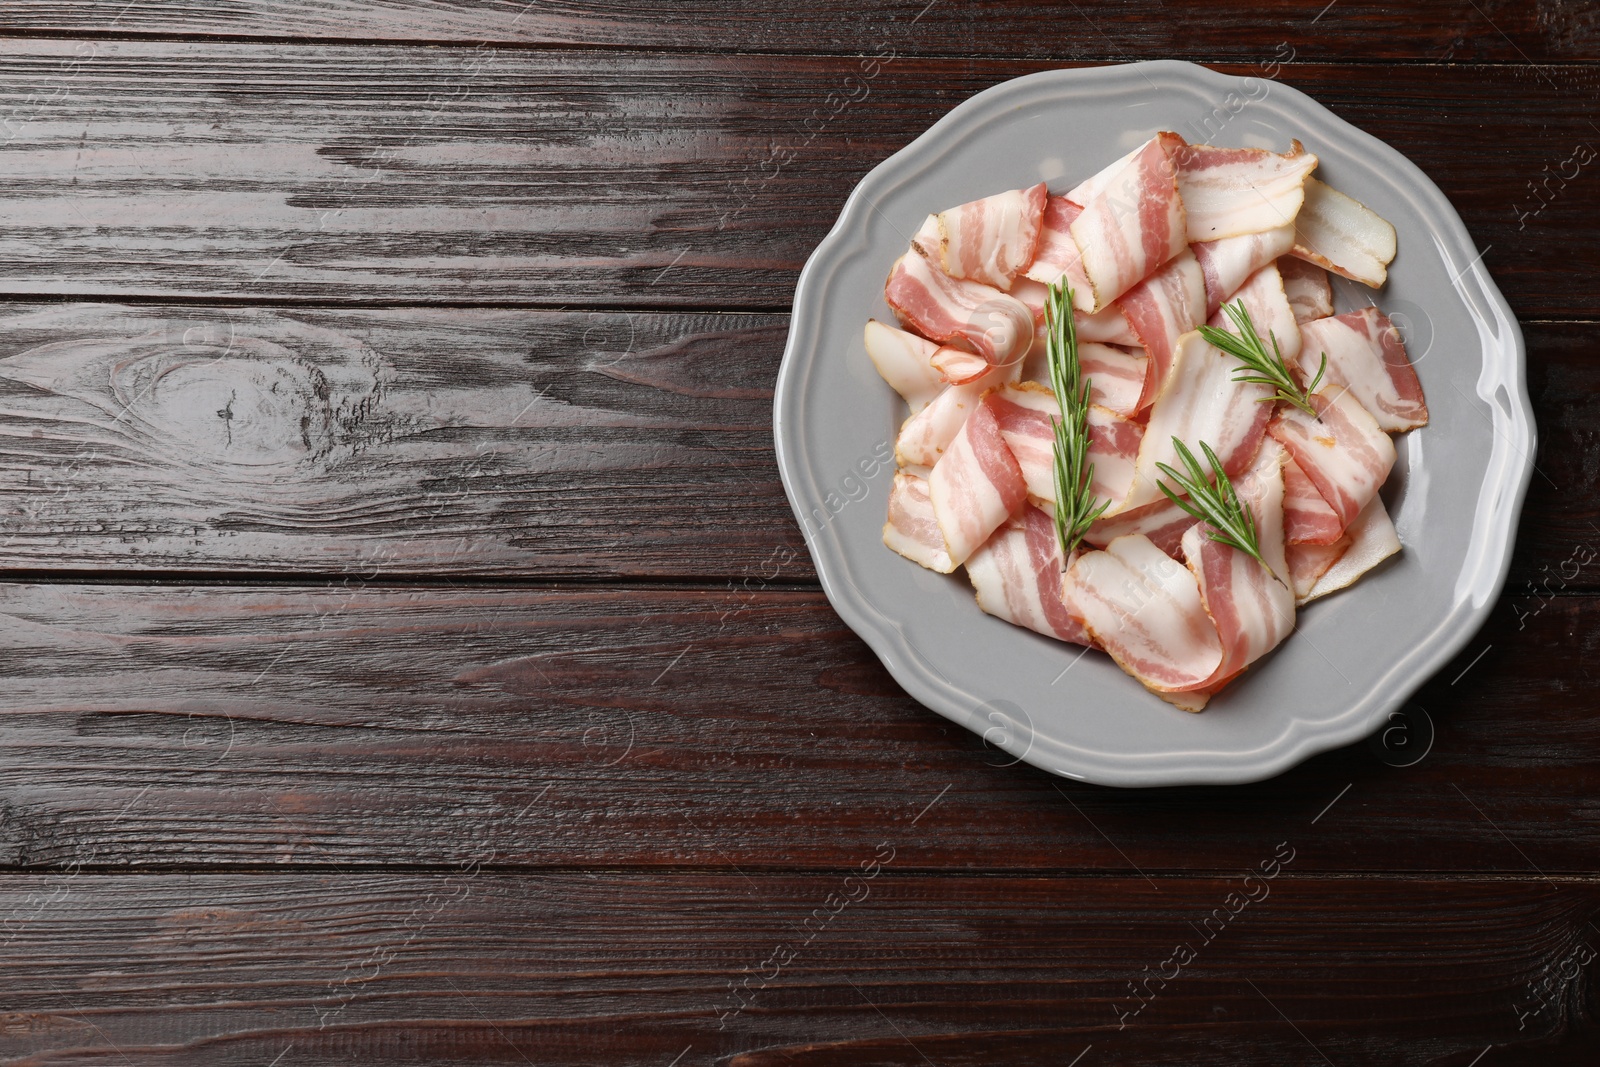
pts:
pixel 410 657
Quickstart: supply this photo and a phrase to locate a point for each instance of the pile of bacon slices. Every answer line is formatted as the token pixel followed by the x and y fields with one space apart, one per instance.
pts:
pixel 1152 247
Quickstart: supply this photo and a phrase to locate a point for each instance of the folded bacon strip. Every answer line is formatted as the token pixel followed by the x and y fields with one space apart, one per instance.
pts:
pixel 1342 451
pixel 1366 355
pixel 1307 287
pixel 1372 540
pixel 976 485
pixel 1163 522
pixel 993 324
pixel 993 239
pixel 1250 604
pixel 1144 608
pixel 1025 412
pixel 1307 563
pixel 1160 309
pixel 1270 312
pixel 958 366
pixel 1017 577
pixel 1227 263
pixel 1343 235
pixel 1307 518
pixel 1058 256
pixel 1133 225
pixel 924 436
pixel 912 530
pixel 1231 191
pixel 1200 402
pixel 1116 377
pixel 905 362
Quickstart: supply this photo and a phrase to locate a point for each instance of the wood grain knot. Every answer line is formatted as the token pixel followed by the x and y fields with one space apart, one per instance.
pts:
pixel 254 396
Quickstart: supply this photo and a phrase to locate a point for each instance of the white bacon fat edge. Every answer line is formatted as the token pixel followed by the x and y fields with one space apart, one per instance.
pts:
pixel 1152 246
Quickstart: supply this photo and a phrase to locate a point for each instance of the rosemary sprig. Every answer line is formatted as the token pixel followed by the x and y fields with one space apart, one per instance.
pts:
pixel 1216 505
pixel 1260 366
pixel 1076 508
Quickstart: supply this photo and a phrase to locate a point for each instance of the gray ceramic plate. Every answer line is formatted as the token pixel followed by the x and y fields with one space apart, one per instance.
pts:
pixel 1358 654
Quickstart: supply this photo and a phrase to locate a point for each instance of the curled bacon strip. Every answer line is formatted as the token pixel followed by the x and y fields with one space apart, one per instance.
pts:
pixel 925 435
pixel 1058 257
pixel 995 325
pixel 976 485
pixel 1270 312
pixel 1025 412
pixel 1307 518
pixel 1343 451
pixel 1144 608
pixel 1231 191
pixel 1163 522
pixel 1116 377
pixel 1343 235
pixel 906 362
pixel 912 530
pixel 1367 356
pixel 1308 288
pixel 1161 309
pixel 1133 225
pixel 1251 605
pixel 1226 264
pixel 993 239
pixel 1372 540
pixel 1200 402
pixel 1017 577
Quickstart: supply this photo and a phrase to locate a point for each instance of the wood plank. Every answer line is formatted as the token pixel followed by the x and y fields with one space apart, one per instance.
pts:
pixel 868 965
pixel 1047 29
pixel 513 443
pixel 503 443
pixel 420 175
pixel 194 725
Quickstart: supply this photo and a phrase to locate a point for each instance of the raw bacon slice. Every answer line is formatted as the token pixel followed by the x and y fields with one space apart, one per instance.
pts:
pixel 1342 451
pixel 1227 263
pixel 976 485
pixel 1307 518
pixel 1058 257
pixel 992 239
pixel 1372 540
pixel 1025 412
pixel 1201 402
pixel 911 529
pixel 996 326
pixel 1115 375
pixel 1251 605
pixel 1231 191
pixel 1263 489
pixel 1096 183
pixel 925 435
pixel 1270 312
pixel 1307 563
pixel 905 362
pixel 959 367
pixel 1307 287
pixel 1133 225
pixel 1343 235
pixel 1163 522
pixel 1367 356
pixel 1161 309
pixel 1017 577
pixel 1143 607
pixel 1253 610
pixel 1109 326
